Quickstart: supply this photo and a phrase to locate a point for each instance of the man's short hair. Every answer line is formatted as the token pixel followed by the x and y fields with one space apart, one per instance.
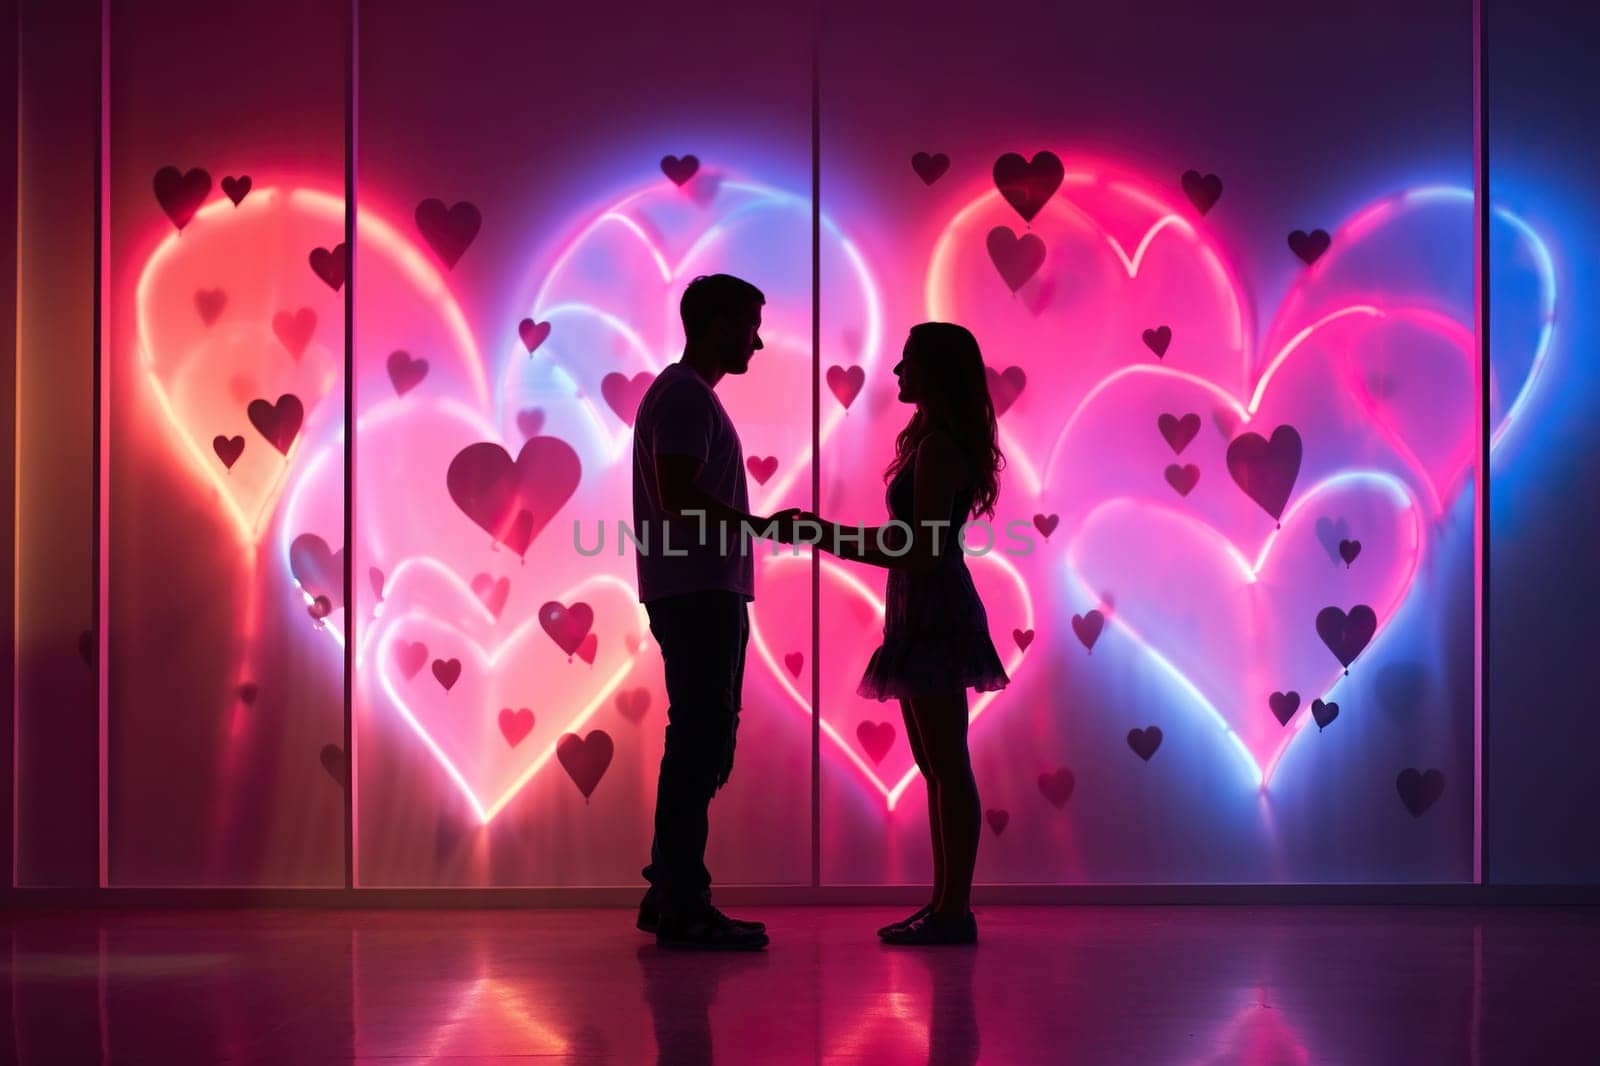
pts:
pixel 711 295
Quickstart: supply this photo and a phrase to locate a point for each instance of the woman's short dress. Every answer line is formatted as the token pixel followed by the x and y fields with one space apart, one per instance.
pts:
pixel 935 630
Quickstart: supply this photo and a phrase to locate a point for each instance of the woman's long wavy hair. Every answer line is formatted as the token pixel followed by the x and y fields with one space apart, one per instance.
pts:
pixel 956 399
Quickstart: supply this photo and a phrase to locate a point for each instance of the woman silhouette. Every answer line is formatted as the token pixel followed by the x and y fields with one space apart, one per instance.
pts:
pixel 936 642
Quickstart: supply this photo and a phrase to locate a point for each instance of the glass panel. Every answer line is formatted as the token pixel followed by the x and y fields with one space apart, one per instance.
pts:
pixel 226 354
pixel 1238 455
pixel 526 228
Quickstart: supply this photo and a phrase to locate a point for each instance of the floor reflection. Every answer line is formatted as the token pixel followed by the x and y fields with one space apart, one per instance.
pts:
pixel 1270 986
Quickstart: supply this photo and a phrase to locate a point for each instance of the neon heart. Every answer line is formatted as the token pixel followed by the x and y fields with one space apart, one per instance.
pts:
pixel 203 379
pixel 1229 624
pixel 192 367
pixel 498 669
pixel 611 298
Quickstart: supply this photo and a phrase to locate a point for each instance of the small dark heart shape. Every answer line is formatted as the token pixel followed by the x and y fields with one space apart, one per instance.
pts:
pixel 1346 635
pixel 761 467
pixel 1182 478
pixel 491 593
pixel 876 739
pixel 236 189
pixel 1309 246
pixel 529 421
pixel 405 373
pixel 279 423
pixel 410 657
pixel 1203 190
pixel 335 764
pixel 1419 789
pixel 585 759
pixel 180 194
pixel 633 703
pixel 794 660
pixel 1023 637
pixel 1348 550
pixel 1178 431
pixel 447 672
pixel 330 264
pixel 1266 469
pixel 997 819
pixel 930 168
pixel 1015 258
pixel 294 329
pixel 532 333
pixel 1144 742
pixel 1056 786
pixel 679 171
pixel 1158 340
pixel 209 303
pixel 1005 386
pixel 1087 627
pixel 845 383
pixel 1027 185
pixel 1324 713
pixel 449 231
pixel 567 626
pixel 515 725
pixel 1283 705
pixel 228 449
pixel 1046 524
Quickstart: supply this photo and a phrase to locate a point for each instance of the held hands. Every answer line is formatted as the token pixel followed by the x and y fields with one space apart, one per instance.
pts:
pixel 794 523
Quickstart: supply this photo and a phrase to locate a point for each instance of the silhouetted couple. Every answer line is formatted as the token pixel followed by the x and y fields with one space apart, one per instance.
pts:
pixel 689 481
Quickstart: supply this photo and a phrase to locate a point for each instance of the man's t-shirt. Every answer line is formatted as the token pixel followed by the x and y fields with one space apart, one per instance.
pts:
pixel 681 415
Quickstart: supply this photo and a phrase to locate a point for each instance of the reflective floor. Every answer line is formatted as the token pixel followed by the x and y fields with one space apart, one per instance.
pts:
pixel 1142 985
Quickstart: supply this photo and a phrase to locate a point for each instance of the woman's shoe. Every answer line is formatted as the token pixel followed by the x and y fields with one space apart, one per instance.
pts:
pixel 932 929
pixel 923 912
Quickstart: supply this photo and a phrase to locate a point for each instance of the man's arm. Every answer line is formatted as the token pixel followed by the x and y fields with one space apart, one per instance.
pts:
pixel 677 485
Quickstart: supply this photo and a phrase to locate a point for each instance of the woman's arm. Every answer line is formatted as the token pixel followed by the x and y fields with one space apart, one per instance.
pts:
pixel 938 473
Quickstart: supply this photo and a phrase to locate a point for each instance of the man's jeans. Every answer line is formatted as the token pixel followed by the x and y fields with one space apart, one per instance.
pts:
pixel 702 636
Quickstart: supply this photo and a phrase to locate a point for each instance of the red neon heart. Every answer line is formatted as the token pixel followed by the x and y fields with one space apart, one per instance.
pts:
pixel 428 606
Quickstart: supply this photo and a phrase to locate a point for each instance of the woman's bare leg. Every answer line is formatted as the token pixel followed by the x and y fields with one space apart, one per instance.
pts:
pixel 919 752
pixel 941 721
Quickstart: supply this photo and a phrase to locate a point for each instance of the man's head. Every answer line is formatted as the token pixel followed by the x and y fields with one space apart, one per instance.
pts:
pixel 722 317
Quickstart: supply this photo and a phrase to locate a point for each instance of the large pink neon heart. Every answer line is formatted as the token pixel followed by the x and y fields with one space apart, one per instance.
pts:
pixel 213 310
pixel 475 728
pixel 1238 623
pixel 1369 356
pixel 611 300
pixel 852 602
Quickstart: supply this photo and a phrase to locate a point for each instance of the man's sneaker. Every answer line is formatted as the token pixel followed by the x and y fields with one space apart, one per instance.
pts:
pixel 902 923
pixel 932 929
pixel 649 919
pixel 707 929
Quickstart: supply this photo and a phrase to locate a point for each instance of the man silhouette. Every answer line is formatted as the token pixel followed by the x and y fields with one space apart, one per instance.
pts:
pixel 696 576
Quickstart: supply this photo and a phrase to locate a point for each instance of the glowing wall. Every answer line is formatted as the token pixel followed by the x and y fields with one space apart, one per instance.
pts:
pixel 527 214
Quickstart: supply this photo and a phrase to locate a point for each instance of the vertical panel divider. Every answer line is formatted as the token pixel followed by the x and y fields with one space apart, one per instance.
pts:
pixel 816 445
pixel 12 44
pixel 100 608
pixel 1480 515
pixel 352 68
